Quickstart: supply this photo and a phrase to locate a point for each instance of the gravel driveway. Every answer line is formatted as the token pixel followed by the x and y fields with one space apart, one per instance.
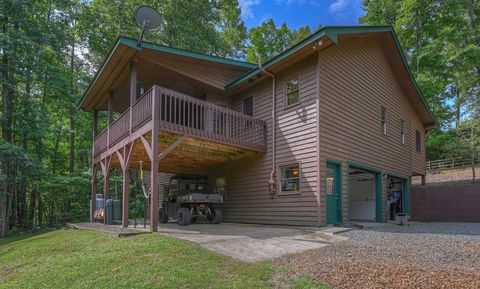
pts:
pixel 422 255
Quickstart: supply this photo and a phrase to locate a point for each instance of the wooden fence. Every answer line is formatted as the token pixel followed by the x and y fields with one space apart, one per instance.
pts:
pixel 446 203
pixel 447 164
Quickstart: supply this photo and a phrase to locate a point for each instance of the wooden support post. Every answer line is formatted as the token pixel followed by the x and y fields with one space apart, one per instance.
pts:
pixel 126 183
pixel 106 190
pixel 95 123
pixel 124 159
pixel 94 193
pixel 154 165
pixel 110 116
pixel 95 130
pixel 133 89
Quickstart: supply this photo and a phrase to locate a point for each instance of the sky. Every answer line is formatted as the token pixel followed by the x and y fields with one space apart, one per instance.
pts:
pixel 297 13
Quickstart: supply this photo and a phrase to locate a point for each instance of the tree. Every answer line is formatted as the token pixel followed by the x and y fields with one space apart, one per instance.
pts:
pixel 441 42
pixel 268 40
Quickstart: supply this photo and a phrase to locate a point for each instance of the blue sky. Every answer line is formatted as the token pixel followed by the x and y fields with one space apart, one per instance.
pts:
pixel 297 13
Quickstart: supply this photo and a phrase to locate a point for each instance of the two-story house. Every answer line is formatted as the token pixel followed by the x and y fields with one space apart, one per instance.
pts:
pixel 331 130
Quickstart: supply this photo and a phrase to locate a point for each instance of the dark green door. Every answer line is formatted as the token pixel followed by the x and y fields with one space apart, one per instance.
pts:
pixel 334 193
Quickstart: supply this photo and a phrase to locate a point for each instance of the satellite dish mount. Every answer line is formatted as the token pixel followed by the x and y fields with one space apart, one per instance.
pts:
pixel 148 19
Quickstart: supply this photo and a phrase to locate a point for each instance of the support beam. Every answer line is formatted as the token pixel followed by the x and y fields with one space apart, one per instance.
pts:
pixel 95 123
pixel 147 147
pixel 423 180
pixel 95 130
pixel 124 157
pixel 94 193
pixel 154 165
pixel 106 190
pixel 110 116
pixel 125 193
pixel 171 147
pixel 133 89
pixel 106 179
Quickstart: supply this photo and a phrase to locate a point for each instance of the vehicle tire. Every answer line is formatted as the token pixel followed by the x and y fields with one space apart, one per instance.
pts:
pixel 162 216
pixel 184 217
pixel 217 216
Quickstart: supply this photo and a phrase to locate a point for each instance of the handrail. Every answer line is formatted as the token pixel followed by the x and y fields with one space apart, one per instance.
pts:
pixel 186 115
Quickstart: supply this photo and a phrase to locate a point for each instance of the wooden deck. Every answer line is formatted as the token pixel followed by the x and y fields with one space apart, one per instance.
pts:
pixel 192 132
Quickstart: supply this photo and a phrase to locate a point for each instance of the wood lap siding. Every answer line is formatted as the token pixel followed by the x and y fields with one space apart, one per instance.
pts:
pixel 355 82
pixel 248 198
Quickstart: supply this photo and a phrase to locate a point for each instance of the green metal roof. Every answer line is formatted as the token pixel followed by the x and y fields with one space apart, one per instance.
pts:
pixel 162 48
pixel 332 32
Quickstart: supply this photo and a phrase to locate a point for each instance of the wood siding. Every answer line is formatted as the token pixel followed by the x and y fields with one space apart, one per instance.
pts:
pixel 355 82
pixel 342 90
pixel 248 198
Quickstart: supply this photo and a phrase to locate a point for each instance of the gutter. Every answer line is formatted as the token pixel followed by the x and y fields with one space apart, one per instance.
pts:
pixel 272 182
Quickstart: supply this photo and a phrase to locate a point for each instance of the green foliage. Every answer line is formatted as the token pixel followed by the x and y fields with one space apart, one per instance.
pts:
pixel 268 40
pixel 442 43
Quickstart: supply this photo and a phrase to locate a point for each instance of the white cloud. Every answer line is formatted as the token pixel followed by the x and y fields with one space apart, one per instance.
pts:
pixel 342 9
pixel 246 6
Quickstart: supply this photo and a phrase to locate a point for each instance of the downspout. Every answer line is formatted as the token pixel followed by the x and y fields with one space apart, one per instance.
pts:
pixel 272 182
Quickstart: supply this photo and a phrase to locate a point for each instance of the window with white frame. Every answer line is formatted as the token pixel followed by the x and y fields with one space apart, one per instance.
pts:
pixel 383 120
pixel 292 91
pixel 290 178
pixel 402 131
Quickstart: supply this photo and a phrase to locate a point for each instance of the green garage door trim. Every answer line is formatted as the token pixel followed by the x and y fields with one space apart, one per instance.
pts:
pixel 337 166
pixel 378 186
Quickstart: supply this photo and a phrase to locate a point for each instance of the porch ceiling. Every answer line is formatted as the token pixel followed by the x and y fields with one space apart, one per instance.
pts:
pixel 189 155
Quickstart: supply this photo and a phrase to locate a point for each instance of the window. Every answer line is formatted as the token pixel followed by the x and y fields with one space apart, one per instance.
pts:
pixel 248 105
pixel 402 131
pixel 418 141
pixel 290 178
pixel 220 185
pixel 383 120
pixel 292 91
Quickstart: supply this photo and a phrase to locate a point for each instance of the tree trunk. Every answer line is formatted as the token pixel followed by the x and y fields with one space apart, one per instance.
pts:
pixel 8 85
pixel 22 193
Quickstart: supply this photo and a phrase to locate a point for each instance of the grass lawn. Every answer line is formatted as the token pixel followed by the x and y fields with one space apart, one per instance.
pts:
pixel 88 259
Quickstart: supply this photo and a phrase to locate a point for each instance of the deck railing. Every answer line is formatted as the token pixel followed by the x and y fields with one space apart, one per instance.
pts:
pixel 185 115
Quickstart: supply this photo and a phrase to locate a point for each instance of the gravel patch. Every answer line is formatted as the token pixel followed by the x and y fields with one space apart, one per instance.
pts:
pixel 422 255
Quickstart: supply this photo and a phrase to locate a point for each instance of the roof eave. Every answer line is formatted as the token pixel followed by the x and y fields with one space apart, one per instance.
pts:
pixel 147 45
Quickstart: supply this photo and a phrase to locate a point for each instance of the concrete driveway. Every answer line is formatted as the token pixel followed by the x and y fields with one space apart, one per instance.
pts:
pixel 252 243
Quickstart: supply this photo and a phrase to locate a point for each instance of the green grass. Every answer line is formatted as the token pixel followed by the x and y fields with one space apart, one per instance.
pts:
pixel 87 259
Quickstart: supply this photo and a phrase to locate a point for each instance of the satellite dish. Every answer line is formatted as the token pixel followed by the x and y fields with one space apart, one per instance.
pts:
pixel 148 19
